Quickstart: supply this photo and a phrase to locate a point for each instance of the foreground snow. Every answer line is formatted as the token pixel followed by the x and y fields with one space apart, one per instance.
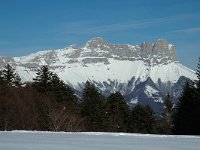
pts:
pixel 28 140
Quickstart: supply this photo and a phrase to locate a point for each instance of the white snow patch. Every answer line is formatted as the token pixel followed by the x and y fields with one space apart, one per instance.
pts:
pixel 149 91
pixel 134 100
pixel 159 100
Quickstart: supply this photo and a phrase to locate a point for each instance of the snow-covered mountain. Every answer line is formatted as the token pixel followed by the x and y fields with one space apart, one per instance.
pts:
pixel 143 73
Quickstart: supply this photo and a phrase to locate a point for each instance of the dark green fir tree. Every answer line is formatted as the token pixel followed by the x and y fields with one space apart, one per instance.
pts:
pixel 62 92
pixel 143 119
pixel 166 115
pixel 183 112
pixel 187 115
pixel 92 107
pixel 117 113
pixel 42 80
pixel 10 77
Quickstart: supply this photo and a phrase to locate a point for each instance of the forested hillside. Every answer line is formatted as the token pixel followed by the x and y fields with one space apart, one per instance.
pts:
pixel 49 104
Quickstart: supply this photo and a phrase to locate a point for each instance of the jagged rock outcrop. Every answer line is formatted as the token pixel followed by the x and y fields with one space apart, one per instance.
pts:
pixel 158 53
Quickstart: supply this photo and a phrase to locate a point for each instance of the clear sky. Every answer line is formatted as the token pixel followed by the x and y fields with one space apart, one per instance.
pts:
pixel 27 26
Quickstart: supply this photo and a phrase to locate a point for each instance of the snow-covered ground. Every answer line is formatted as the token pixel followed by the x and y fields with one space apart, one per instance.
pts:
pixel 35 140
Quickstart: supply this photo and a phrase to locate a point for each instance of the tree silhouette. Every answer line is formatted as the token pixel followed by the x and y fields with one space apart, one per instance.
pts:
pixel 42 80
pixel 166 115
pixel 143 119
pixel 187 115
pixel 10 77
pixel 92 107
pixel 117 113
pixel 61 91
pixel 183 114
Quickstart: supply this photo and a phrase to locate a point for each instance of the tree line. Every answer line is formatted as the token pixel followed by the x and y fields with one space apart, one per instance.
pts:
pixel 47 103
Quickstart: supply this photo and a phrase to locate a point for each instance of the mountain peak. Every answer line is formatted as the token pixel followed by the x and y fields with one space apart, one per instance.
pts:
pixel 97 39
pixel 160 52
pixel 161 44
pixel 96 42
pixel 161 41
pixel 164 51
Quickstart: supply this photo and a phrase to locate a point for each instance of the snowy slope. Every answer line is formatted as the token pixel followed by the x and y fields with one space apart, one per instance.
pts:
pixel 28 140
pixel 122 71
pixel 142 73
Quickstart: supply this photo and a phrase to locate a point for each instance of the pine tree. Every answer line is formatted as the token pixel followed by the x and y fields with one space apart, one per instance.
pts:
pixel 42 80
pixel 61 91
pixel 92 107
pixel 166 115
pixel 9 77
pixel 196 103
pixel 183 119
pixel 57 87
pixel 187 116
pixel 143 119
pixel 117 113
pixel 17 80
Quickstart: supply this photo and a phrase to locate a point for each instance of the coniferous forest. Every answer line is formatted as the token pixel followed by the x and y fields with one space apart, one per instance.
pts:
pixel 49 104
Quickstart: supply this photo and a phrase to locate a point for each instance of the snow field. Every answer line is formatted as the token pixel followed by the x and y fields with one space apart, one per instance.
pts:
pixel 35 140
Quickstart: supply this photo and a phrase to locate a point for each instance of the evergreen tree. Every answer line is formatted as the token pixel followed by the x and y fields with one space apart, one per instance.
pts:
pixel 117 113
pixel 183 119
pixel 42 80
pixel 9 77
pixel 17 80
pixel 143 119
pixel 62 92
pixel 196 103
pixel 92 107
pixel 166 115
pixel 187 116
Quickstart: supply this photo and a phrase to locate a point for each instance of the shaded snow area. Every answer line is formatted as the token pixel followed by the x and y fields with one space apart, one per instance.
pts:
pixel 27 140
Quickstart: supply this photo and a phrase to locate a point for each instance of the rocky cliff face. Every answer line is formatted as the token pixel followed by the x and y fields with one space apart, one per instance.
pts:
pixel 156 53
pixel 98 50
pixel 142 73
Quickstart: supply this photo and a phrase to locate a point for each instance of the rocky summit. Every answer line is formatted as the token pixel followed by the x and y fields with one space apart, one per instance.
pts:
pixel 143 73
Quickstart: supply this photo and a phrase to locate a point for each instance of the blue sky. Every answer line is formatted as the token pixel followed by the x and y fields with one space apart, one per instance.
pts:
pixel 27 26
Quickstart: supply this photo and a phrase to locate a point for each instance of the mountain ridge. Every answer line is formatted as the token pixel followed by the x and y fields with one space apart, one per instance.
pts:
pixel 142 73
